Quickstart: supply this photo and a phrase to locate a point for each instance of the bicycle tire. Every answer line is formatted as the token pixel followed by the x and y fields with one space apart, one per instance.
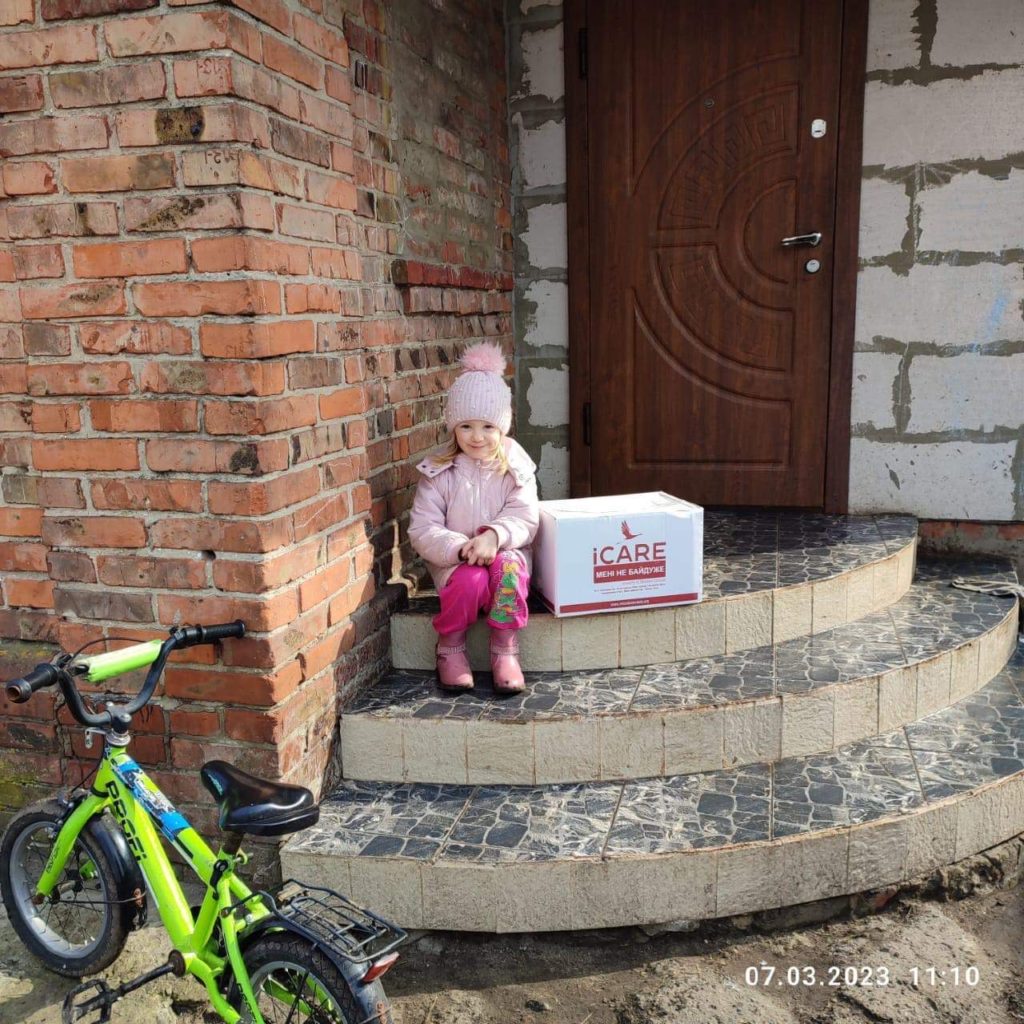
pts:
pixel 88 874
pixel 288 959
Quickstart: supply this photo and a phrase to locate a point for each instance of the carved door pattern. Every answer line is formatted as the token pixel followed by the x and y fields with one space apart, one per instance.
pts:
pixel 709 340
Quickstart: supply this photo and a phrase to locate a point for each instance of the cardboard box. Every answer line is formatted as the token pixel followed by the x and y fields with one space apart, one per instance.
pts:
pixel 624 551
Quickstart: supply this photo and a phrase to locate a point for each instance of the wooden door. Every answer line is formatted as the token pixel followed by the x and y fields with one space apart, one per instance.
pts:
pixel 710 341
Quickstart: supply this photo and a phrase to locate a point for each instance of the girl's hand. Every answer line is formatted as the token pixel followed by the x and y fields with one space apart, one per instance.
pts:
pixel 481 550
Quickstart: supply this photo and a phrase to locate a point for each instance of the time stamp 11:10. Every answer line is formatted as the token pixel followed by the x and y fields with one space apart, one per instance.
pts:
pixel 848 976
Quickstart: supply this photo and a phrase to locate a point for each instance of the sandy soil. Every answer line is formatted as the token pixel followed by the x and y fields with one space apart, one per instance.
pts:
pixel 627 977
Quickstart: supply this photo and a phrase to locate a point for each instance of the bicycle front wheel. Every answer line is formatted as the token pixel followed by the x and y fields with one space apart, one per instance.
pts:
pixel 80 930
pixel 295 982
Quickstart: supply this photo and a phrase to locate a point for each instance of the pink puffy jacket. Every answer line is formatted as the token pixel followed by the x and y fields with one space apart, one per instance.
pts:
pixel 463 498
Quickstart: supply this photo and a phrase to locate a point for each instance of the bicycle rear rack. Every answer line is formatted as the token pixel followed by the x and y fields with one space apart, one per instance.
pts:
pixel 327 917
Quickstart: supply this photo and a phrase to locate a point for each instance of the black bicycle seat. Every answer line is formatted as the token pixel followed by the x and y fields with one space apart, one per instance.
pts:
pixel 256 807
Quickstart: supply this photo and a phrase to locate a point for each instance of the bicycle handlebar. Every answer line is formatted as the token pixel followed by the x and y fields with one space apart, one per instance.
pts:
pixel 46 674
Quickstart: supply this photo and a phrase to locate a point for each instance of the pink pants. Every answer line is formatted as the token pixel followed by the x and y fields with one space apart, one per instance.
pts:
pixel 498 591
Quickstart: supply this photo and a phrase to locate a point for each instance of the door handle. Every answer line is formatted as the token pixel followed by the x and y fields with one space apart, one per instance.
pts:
pixel 814 238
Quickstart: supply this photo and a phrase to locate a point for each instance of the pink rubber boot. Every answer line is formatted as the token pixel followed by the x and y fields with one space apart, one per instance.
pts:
pixel 453 671
pixel 508 675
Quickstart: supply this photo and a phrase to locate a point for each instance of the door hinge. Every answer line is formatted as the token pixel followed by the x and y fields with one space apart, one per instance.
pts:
pixel 587 426
pixel 583 52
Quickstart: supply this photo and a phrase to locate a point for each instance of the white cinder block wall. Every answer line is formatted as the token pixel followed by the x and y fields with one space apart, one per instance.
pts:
pixel 938 391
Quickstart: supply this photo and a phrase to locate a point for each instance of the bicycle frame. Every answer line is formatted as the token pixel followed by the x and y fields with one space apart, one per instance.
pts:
pixel 144 815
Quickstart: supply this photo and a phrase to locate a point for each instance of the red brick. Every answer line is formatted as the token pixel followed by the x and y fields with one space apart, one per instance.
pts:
pixel 255 577
pixel 346 402
pixel 100 378
pixel 319 516
pixel 215 255
pixel 187 455
pixel 259 615
pixel 94 531
pixel 165 573
pixel 126 83
pixel 44 339
pixel 20 522
pixel 118 173
pixel 272 12
pixel 60 492
pixel 13 379
pixel 256 340
pixel 227 167
pixel 10 305
pixel 29 178
pixel 198 298
pixel 177 33
pixel 302 222
pixel 22 93
pixel 184 125
pixel 11 343
pixel 58 10
pixel 73 300
pixel 311 298
pixel 324 585
pixel 15 12
pixel 328 190
pixel 252 726
pixel 55 419
pixel 53 135
pixel 289 60
pixel 203 378
pixel 191 722
pixel 207 76
pixel 148 495
pixel 71 567
pixel 99 454
pixel 22 593
pixel 327 116
pixel 266 417
pixel 145 416
pixel 36 261
pixel 135 337
pixel 21 557
pixel 338 85
pixel 125 259
pixel 255 689
pixel 54 219
pixel 258 497
pixel 207 211
pixel 204 534
pixel 15 417
pixel 68 44
pixel 329 43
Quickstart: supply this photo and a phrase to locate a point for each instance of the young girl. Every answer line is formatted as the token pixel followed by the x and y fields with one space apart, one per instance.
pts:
pixel 473 518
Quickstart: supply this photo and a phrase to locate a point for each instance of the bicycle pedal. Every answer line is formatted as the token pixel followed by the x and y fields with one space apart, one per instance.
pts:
pixel 75 1009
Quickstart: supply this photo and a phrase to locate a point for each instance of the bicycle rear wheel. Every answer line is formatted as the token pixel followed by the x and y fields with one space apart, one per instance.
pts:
pixel 80 930
pixel 295 982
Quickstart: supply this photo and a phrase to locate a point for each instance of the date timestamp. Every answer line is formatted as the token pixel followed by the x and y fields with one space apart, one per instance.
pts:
pixel 765 974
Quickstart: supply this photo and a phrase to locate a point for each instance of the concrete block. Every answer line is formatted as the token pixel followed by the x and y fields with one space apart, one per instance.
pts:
pixel 371 748
pixel 931 838
pixel 748 622
pixel 968 391
pixel 793 870
pixel 897 698
pixel 541 647
pixel 950 480
pixel 460 895
pixel 878 855
pixel 982 32
pixel 631 748
pixel 533 896
pixel 590 641
pixel 933 678
pixel 391 887
pixel 700 630
pixel 808 721
pixel 543 64
pixel 973 213
pixel 874 377
pixel 905 561
pixel 996 649
pixel 545 239
pixel 887 581
pixel 990 816
pixel 694 741
pixel 943 305
pixel 952 119
pixel 544 309
pixel 500 752
pixel 856 715
pixel 860 598
pixel 884 218
pixel 434 750
pixel 828 608
pixel 964 675
pixel 541 152
pixel 647 638
pixel 412 641
pixel 553 472
pixel 315 868
pixel 752 733
pixel 792 613
pixel 567 750
pixel 892 40
pixel 547 396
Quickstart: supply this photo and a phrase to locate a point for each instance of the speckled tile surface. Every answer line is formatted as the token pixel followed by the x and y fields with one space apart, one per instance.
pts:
pixel 977 741
pixel 930 618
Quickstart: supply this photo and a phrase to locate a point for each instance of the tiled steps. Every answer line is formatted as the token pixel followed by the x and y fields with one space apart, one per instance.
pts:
pixel 504 858
pixel 808 695
pixel 768 577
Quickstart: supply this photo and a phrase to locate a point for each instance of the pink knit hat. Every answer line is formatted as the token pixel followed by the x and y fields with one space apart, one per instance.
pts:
pixel 480 393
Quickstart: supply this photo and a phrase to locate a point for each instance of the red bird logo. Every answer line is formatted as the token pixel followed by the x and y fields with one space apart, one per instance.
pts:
pixel 626 531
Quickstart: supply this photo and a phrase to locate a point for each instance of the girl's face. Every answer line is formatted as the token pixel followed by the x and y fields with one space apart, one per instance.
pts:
pixel 477 438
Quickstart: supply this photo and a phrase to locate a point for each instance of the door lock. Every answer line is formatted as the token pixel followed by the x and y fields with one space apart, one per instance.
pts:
pixel 814 238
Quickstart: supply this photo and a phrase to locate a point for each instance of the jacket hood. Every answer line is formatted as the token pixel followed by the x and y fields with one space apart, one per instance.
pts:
pixel 519 463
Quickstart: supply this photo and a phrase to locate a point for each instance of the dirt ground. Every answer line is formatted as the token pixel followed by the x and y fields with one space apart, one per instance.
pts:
pixel 628 977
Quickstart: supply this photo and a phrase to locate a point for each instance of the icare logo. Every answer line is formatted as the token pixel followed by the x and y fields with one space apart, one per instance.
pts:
pixel 619 563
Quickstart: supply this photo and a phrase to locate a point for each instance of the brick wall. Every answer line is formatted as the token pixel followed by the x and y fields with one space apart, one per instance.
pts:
pixel 244 243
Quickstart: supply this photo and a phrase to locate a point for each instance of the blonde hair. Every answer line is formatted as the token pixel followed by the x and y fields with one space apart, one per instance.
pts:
pixel 451 450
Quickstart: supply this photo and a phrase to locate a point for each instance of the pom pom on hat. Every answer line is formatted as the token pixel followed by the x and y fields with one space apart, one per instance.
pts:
pixel 480 393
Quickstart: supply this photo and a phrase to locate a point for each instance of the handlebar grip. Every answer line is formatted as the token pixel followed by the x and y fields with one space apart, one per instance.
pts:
pixel 19 690
pixel 223 631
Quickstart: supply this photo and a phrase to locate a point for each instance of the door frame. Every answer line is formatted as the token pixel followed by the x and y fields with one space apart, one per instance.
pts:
pixel 844 270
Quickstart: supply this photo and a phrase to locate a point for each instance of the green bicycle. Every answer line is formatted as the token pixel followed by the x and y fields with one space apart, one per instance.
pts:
pixel 75 873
